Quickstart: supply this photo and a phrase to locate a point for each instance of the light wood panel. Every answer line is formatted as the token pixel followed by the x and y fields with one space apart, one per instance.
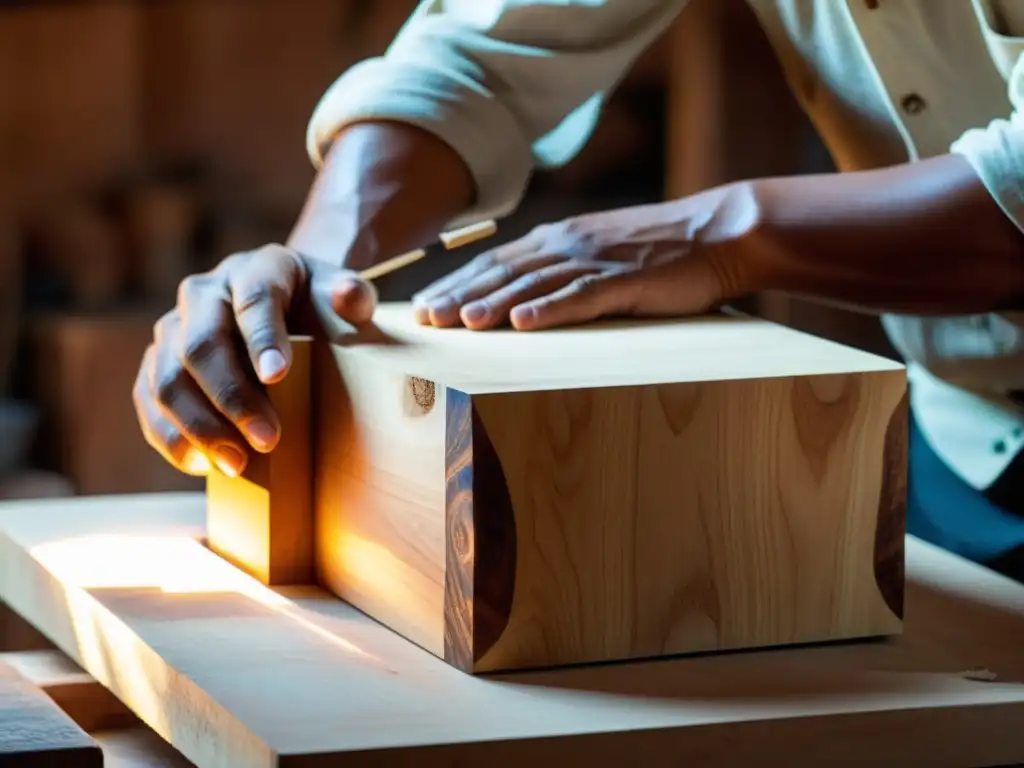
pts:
pixel 233 673
pixel 89 705
pixel 35 732
pixel 263 520
pixel 620 490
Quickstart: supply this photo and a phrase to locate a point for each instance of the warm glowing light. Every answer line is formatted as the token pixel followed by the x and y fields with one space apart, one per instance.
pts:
pixel 196 463
pixel 172 564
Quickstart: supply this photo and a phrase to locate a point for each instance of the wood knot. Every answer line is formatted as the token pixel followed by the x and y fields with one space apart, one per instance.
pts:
pixel 423 393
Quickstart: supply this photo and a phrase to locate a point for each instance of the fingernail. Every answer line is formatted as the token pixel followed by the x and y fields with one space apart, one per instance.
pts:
pixel 271 364
pixel 229 460
pixel 196 463
pixel 262 433
pixel 474 312
pixel 420 313
pixel 347 284
pixel 521 315
pixel 441 308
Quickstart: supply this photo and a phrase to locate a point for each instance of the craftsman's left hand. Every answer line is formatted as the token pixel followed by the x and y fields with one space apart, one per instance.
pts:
pixel 675 258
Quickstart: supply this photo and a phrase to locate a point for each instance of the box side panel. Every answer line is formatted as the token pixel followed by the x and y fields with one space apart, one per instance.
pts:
pixel 380 493
pixel 700 516
pixel 480 538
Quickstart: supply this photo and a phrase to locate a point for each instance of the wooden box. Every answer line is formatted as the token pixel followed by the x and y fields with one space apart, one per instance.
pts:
pixel 614 491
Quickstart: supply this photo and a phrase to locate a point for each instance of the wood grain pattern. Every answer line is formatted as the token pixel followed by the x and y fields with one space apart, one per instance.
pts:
pixel 263 521
pixel 460 536
pixel 508 516
pixel 35 733
pixel 891 528
pixel 692 517
pixel 480 555
pixel 89 705
pixel 380 495
pixel 233 673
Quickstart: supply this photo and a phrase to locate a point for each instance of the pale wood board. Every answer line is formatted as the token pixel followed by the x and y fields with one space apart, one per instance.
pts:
pixel 713 348
pixel 91 706
pixel 35 732
pixel 616 490
pixel 263 520
pixel 234 677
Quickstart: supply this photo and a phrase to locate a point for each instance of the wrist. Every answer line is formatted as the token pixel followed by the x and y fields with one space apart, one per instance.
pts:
pixel 384 188
pixel 737 242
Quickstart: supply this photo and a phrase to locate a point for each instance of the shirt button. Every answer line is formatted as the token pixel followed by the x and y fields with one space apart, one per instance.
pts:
pixel 999 446
pixel 912 104
pixel 871 4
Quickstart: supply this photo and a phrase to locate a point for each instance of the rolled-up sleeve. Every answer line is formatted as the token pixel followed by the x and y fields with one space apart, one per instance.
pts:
pixel 510 85
pixel 996 151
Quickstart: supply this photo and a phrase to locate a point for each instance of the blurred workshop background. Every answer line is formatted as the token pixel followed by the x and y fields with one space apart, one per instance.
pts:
pixel 143 141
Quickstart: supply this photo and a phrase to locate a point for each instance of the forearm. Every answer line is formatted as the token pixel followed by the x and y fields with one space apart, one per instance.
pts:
pixel 384 188
pixel 923 238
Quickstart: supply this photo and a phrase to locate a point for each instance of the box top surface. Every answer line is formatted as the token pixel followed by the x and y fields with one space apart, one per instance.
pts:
pixel 608 353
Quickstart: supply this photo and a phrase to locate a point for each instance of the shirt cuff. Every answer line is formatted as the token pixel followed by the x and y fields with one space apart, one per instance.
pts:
pixel 997 154
pixel 458 111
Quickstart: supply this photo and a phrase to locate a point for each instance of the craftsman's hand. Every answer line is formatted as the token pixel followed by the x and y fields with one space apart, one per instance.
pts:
pixel 675 258
pixel 199 394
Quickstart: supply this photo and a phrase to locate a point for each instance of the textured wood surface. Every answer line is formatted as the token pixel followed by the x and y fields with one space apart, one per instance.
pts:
pixel 621 490
pixel 263 521
pixel 233 673
pixel 89 705
pixel 380 495
pixel 35 733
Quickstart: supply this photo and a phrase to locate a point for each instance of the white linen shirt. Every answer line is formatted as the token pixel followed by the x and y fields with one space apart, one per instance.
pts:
pixel 512 85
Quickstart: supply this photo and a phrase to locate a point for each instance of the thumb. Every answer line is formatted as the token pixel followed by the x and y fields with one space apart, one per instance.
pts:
pixel 340 293
pixel 352 298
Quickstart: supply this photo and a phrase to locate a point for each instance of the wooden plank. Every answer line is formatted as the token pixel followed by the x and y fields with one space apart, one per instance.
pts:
pixel 138 748
pixel 620 490
pixel 91 706
pixel 263 521
pixel 233 673
pixel 35 733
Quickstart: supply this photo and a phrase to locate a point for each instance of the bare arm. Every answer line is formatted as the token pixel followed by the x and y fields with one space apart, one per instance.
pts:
pixel 922 238
pixel 384 188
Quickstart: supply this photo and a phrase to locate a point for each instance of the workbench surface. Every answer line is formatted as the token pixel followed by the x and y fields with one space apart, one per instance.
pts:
pixel 232 673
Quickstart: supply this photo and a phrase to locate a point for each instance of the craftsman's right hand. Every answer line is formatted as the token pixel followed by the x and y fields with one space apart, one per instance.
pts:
pixel 199 394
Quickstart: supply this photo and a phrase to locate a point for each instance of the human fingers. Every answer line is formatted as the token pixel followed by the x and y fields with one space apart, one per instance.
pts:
pixel 208 350
pixel 434 305
pixel 492 309
pixel 159 431
pixel 189 411
pixel 586 298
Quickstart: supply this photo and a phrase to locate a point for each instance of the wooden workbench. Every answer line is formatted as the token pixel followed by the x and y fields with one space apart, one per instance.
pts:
pixel 234 674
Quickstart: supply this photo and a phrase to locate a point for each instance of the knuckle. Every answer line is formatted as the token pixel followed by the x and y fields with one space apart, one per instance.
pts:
pixel 284 261
pixel 199 349
pixel 167 322
pixel 485 261
pixel 229 395
pixel 586 284
pixel 571 227
pixel 167 386
pixel 192 286
pixel 256 296
pixel 543 231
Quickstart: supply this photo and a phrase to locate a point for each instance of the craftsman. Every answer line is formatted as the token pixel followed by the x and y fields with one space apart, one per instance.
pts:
pixel 915 99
